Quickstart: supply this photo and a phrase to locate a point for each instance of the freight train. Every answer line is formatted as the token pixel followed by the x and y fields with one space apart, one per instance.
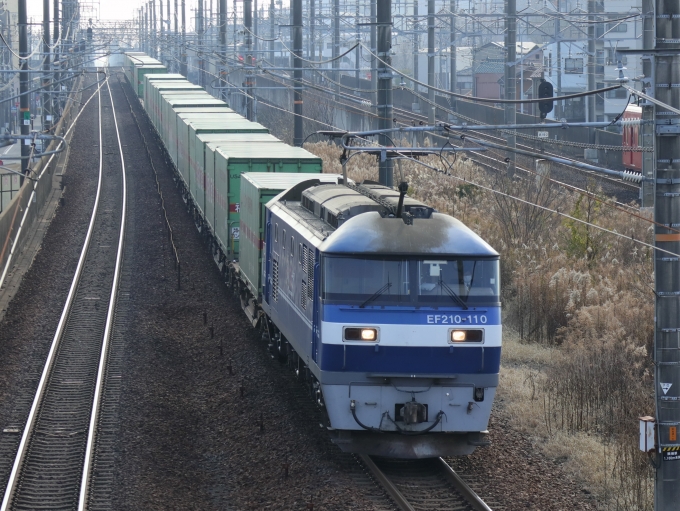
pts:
pixel 387 309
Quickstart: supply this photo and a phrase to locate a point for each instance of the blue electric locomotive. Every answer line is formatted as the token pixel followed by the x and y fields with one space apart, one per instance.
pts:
pixel 392 311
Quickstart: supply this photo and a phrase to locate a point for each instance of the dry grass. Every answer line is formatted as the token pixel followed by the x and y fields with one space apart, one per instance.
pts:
pixel 578 309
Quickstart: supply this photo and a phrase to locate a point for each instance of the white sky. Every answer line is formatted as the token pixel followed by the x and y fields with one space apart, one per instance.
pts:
pixel 109 9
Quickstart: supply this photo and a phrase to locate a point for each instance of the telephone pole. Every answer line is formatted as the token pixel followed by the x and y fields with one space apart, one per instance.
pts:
pixel 46 110
pixel 248 22
pixel 183 59
pixel 666 70
pixel 430 62
pixel 223 47
pixel 199 33
pixel 385 107
pixel 510 77
pixel 25 117
pixel 297 73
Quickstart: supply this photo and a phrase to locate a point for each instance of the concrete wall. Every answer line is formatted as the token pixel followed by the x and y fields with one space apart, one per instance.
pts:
pixel 11 218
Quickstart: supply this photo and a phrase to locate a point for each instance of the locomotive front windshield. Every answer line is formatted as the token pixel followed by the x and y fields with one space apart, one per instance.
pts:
pixel 416 282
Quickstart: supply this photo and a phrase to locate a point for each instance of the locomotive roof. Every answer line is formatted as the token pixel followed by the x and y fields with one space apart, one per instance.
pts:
pixel 440 235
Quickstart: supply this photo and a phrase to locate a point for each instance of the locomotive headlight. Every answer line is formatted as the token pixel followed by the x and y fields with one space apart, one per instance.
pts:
pixel 361 334
pixel 458 335
pixel 368 334
pixel 467 335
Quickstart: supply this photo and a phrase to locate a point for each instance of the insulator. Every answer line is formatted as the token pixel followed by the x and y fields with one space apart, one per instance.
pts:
pixel 635 177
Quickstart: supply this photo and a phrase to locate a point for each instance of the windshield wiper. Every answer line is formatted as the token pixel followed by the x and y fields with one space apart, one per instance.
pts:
pixel 452 294
pixel 376 294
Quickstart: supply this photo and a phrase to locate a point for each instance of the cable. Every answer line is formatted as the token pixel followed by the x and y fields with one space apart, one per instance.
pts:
pixel 487 100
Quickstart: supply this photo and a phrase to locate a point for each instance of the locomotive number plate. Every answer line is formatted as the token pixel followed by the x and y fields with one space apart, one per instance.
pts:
pixel 456 319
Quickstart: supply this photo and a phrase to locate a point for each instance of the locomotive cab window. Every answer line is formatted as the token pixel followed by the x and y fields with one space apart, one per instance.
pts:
pixel 374 281
pixel 458 280
pixel 366 281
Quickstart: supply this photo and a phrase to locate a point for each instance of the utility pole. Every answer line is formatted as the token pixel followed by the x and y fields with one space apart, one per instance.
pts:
pixel 591 104
pixel 160 6
pixel 167 44
pixel 183 60
pixel 416 41
pixel 374 66
pixel 25 117
pixel 336 46
pixel 559 105
pixel 248 22
pixel 147 23
pixel 385 107
pixel 311 49
pixel 176 43
pixel 154 53
pixel 255 34
pixel 357 73
pixel 452 51
pixel 667 267
pixel 46 110
pixel 431 110
pixel 510 74
pixel 646 138
pixel 56 107
pixel 297 73
pixel 199 33
pixel 272 31
pixel 223 48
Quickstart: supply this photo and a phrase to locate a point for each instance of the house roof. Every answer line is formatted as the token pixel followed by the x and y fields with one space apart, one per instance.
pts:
pixel 522 48
pixel 491 66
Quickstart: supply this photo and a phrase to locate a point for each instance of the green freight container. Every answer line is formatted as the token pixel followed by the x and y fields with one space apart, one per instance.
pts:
pixel 186 115
pixel 163 114
pixel 169 104
pixel 140 71
pixel 182 133
pixel 217 201
pixel 165 110
pixel 196 146
pixel 223 179
pixel 130 59
pixel 158 90
pixel 153 87
pixel 257 189
pixel 151 79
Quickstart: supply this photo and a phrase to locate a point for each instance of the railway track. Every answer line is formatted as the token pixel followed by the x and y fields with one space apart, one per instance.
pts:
pixel 53 463
pixel 427 484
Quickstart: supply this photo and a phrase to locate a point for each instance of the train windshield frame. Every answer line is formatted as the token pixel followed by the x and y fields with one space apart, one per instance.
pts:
pixel 441 281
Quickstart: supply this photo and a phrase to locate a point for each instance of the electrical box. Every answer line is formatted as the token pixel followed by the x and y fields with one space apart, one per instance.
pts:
pixel 647 437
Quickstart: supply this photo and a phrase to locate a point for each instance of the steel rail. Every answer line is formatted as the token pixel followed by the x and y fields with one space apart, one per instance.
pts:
pixel 402 502
pixel 22 451
pixel 459 483
pixel 96 402
pixel 389 486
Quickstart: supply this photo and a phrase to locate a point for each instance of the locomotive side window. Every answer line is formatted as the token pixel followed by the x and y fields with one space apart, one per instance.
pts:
pixel 292 246
pixel 276 232
pixel 283 240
